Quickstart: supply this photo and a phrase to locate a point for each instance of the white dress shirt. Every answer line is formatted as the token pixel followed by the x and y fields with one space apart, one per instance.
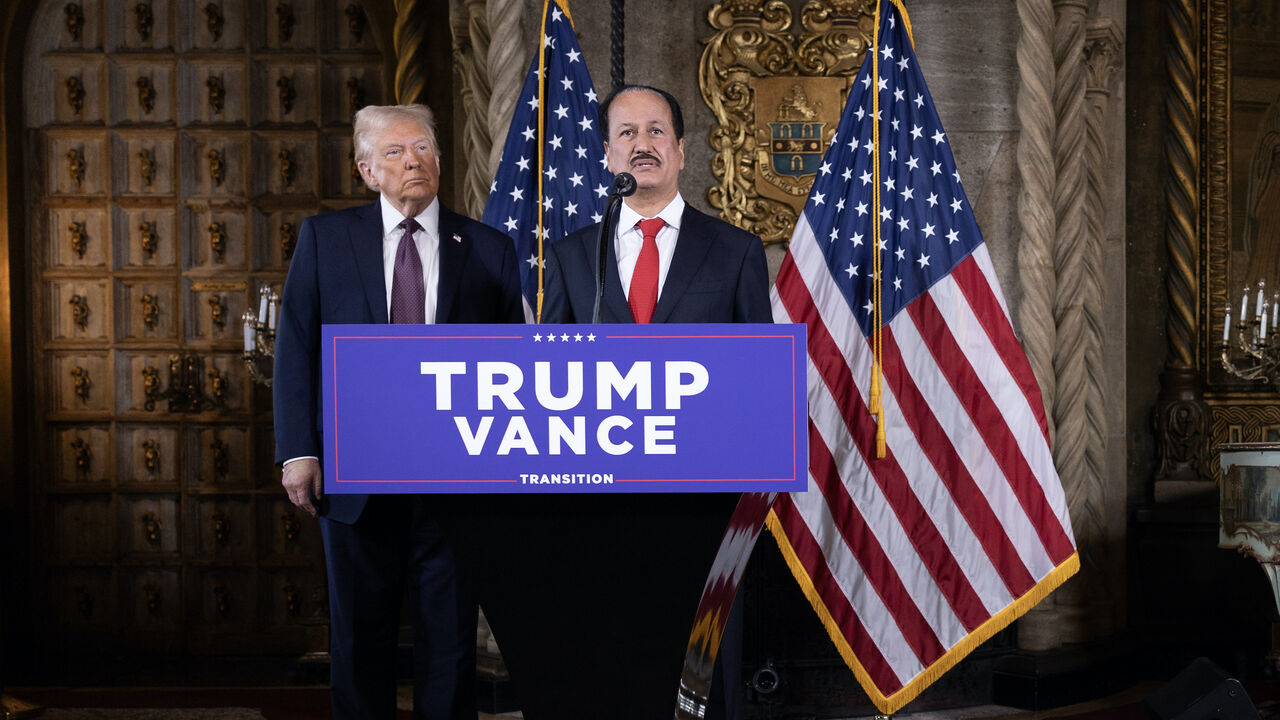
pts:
pixel 627 241
pixel 427 240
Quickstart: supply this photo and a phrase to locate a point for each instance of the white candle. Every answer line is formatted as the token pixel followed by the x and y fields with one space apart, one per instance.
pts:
pixel 1226 327
pixel 262 306
pixel 272 306
pixel 1275 311
pixel 1244 305
pixel 1260 310
pixel 1262 327
pixel 249 343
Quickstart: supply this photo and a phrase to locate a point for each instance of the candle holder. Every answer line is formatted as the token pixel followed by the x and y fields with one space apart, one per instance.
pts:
pixel 260 336
pixel 1255 353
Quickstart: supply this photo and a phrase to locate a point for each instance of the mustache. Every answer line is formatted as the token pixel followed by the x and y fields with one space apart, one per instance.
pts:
pixel 645 156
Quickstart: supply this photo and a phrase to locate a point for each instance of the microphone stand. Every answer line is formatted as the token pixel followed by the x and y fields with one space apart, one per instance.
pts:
pixel 624 185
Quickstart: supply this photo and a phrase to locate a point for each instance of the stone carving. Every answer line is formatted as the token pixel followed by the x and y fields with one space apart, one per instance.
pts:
pixel 79 311
pixel 75 20
pixel 75 166
pixel 218 312
pixel 285 21
pixel 284 84
pixel 79 238
pixel 80 383
pixel 288 239
pixel 289 524
pixel 146 94
pixel 218 388
pixel 152 528
pixel 214 20
pixel 749 73
pixel 150 388
pixel 217 93
pixel 145 20
pixel 218 240
pixel 217 166
pixel 84 456
pixel 355 94
pixel 150 448
pixel 75 93
pixel 286 167
pixel 147 166
pixel 222 600
pixel 221 528
pixel 355 21
pixel 293 598
pixel 148 238
pixel 150 310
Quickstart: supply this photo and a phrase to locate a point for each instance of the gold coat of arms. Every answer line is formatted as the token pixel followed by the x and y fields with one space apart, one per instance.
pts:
pixel 777 96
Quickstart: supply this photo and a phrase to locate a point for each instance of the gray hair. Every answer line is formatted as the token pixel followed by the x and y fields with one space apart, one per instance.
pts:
pixel 371 120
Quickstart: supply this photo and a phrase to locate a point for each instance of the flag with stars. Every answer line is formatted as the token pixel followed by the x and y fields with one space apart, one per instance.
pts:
pixel 914 558
pixel 552 178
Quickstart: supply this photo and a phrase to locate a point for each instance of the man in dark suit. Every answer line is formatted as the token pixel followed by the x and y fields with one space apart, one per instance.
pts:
pixel 403 259
pixel 614 611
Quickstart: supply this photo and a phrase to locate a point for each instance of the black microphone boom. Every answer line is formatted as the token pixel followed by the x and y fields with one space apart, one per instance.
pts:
pixel 624 185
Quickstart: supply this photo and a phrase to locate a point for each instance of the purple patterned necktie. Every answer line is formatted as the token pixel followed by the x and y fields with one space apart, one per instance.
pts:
pixel 408 296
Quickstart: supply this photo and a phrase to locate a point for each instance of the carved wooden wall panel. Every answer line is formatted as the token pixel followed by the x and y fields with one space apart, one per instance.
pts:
pixel 175 148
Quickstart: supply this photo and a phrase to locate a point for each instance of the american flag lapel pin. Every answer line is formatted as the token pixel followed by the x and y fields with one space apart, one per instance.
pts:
pixel 457 238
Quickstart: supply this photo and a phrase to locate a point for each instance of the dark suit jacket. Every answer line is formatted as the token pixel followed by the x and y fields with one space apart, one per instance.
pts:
pixel 336 276
pixel 567 577
pixel 718 274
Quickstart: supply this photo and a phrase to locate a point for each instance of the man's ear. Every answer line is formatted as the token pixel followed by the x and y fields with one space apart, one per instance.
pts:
pixel 367 174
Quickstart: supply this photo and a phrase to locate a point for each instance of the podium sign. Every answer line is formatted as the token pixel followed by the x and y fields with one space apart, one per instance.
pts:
pixel 564 408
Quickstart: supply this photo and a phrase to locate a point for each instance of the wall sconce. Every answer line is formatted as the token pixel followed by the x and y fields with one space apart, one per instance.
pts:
pixel 260 336
pixel 1253 355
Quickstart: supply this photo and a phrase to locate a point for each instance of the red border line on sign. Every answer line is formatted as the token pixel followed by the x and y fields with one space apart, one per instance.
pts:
pixel 337 462
pixel 791 338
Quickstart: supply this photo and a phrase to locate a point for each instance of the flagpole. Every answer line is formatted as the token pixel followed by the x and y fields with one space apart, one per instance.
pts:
pixel 542 116
pixel 877 317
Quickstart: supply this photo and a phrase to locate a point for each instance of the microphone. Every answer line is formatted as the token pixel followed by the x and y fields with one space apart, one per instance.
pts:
pixel 624 185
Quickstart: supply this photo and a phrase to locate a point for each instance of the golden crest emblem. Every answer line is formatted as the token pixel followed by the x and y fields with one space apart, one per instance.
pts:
pixel 777 96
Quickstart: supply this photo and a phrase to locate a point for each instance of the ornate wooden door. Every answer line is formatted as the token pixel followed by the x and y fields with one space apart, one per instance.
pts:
pixel 174 147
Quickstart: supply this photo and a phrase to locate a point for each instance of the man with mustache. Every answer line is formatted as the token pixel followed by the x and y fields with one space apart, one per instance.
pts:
pixel 604 634
pixel 402 259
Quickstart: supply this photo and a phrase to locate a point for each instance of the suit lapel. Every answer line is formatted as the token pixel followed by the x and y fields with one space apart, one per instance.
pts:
pixel 454 248
pixel 366 247
pixel 614 304
pixel 691 248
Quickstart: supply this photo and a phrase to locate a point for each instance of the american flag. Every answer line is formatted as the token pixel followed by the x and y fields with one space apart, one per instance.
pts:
pixel 914 559
pixel 553 158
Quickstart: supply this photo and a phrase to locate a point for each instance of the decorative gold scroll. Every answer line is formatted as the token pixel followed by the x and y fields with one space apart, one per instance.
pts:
pixel 777 97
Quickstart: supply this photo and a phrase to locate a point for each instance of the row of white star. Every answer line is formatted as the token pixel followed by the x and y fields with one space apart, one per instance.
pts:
pixel 551 337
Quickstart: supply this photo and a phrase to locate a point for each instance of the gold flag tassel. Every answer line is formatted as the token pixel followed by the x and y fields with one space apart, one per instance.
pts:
pixel 877 348
pixel 542 104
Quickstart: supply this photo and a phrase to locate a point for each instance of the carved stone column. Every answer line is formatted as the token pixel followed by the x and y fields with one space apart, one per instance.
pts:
pixel 1181 415
pixel 1088 53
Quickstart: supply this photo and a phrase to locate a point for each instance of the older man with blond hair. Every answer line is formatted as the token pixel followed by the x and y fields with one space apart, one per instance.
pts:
pixel 401 259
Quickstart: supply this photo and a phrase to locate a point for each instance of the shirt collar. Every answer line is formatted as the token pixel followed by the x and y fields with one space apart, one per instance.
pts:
pixel 671 214
pixel 429 219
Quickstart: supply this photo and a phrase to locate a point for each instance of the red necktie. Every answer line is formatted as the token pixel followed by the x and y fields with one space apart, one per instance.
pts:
pixel 644 280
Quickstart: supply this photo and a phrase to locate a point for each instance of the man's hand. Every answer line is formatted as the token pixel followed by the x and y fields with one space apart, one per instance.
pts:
pixel 304 483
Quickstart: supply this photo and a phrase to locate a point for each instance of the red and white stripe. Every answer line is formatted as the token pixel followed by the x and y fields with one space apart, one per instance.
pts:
pixel 910 554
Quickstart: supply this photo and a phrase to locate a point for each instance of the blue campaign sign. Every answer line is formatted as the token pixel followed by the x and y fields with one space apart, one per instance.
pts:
pixel 564 408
